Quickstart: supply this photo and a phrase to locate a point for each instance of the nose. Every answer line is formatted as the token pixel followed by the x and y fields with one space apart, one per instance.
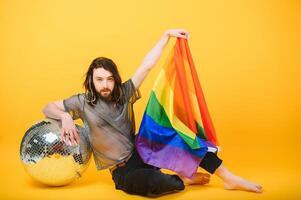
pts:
pixel 105 84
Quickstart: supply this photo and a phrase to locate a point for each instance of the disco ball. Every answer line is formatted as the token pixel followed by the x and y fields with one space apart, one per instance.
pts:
pixel 49 160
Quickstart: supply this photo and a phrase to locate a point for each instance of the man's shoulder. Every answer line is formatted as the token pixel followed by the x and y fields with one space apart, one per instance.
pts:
pixel 127 84
pixel 80 96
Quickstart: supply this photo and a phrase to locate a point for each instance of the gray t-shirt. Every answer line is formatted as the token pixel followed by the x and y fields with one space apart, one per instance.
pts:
pixel 111 128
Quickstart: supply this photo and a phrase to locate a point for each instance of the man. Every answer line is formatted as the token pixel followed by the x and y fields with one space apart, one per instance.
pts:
pixel 106 108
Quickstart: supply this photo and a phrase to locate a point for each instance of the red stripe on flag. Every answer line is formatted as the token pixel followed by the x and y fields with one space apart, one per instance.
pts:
pixel 206 119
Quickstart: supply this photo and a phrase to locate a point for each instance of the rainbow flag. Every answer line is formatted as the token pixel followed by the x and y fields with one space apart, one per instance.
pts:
pixel 176 130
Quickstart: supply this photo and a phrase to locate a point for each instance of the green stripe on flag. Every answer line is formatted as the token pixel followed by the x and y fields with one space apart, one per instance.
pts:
pixel 156 111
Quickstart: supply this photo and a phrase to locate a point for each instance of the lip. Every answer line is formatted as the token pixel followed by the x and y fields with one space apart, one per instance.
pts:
pixel 105 93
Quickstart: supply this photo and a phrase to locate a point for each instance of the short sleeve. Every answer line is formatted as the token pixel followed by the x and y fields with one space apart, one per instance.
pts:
pixel 131 93
pixel 73 106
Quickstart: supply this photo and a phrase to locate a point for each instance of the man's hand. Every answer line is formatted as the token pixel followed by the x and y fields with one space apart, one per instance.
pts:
pixel 181 33
pixel 69 132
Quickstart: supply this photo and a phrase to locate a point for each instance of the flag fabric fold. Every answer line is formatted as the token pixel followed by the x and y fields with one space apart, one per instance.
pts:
pixel 176 130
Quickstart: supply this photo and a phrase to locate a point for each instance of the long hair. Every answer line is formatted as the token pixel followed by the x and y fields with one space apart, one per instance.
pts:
pixel 91 94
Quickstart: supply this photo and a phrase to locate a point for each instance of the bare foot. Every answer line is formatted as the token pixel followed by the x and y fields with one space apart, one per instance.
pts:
pixel 237 183
pixel 197 179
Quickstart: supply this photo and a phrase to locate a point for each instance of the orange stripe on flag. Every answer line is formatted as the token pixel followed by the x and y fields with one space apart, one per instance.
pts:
pixel 181 77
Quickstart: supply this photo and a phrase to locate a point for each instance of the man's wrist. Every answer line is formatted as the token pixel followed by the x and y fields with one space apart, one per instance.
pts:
pixel 64 115
pixel 164 39
pixel 166 34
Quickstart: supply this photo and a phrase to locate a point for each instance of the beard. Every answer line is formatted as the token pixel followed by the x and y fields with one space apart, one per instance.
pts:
pixel 107 96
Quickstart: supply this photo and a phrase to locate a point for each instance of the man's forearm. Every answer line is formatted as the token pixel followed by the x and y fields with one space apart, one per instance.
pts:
pixel 154 54
pixel 52 111
pixel 150 60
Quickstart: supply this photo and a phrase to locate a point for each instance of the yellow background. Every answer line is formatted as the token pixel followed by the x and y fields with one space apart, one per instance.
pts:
pixel 247 54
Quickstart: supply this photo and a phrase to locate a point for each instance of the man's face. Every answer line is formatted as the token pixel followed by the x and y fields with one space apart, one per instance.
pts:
pixel 104 82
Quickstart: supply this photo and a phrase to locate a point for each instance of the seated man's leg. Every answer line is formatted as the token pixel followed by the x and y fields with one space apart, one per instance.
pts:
pixel 151 182
pixel 213 165
pixel 210 162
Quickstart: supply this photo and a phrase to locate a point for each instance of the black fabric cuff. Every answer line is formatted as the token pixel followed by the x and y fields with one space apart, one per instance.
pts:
pixel 210 162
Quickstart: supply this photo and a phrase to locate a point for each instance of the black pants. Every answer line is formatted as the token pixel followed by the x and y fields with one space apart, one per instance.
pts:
pixel 136 177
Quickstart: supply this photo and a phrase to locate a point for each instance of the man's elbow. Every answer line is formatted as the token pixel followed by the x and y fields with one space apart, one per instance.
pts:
pixel 46 108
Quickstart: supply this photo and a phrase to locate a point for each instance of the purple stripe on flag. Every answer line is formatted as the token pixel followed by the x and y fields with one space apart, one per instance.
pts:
pixel 167 157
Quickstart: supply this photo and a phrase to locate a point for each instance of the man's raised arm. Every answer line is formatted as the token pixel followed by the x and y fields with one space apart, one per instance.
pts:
pixel 154 54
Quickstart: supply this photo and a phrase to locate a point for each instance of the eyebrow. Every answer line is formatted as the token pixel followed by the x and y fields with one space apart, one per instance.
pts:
pixel 105 77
